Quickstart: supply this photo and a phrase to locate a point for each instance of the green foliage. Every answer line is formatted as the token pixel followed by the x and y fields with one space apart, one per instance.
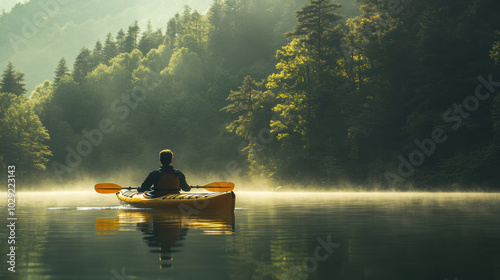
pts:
pixel 132 37
pixel 291 85
pixel 12 81
pixel 22 135
pixel 315 26
pixel 36 34
pixel 185 72
pixel 110 49
pixel 41 99
pixel 150 39
pixel 495 51
pixel 251 105
pixel 61 71
pixel 335 100
pixel 84 64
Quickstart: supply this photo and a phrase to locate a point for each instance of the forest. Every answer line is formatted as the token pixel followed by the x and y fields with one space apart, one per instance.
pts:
pixel 396 94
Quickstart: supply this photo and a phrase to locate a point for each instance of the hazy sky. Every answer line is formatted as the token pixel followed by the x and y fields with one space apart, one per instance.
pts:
pixel 8 4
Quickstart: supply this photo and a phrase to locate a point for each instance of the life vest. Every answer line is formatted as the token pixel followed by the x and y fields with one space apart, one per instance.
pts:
pixel 167 183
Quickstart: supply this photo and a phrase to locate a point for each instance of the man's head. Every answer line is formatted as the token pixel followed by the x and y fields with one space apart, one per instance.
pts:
pixel 166 157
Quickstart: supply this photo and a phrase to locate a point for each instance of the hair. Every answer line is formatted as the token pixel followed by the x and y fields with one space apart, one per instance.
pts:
pixel 166 157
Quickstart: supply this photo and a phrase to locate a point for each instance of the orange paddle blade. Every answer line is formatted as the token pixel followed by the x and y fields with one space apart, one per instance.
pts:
pixel 107 188
pixel 219 187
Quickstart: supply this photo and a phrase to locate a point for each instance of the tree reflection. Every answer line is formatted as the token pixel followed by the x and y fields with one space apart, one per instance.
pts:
pixel 164 230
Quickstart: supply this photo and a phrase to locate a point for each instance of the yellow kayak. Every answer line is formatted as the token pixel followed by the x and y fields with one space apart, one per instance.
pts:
pixel 185 202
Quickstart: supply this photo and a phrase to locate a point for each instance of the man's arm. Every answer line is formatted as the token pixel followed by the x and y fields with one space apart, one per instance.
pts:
pixel 183 184
pixel 150 180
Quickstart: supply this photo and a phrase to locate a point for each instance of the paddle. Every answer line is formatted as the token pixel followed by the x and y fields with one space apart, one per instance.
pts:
pixel 106 188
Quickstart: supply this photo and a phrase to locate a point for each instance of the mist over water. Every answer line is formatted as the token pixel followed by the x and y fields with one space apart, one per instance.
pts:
pixel 270 236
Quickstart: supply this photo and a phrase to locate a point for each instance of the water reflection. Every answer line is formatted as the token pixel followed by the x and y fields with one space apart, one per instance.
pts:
pixel 164 230
pixel 382 236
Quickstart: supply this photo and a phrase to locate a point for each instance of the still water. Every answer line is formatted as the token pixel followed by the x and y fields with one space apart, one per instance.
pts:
pixel 84 235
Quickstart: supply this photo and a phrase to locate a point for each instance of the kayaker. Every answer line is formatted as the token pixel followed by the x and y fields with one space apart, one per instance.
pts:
pixel 165 180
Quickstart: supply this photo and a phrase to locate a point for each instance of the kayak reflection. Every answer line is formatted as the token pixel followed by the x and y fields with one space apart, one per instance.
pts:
pixel 164 229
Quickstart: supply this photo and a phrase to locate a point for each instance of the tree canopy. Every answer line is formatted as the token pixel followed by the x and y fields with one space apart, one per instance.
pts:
pixel 299 92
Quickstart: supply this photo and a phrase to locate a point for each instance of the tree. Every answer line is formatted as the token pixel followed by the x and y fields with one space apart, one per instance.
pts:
pixel 252 106
pixel 292 86
pixel 495 51
pixel 98 54
pixel 150 39
pixel 185 73
pixel 249 103
pixel 315 26
pixel 110 49
pixel 12 81
pixel 120 41
pixel 172 31
pixel 83 65
pixel 61 71
pixel 22 135
pixel 41 98
pixel 131 38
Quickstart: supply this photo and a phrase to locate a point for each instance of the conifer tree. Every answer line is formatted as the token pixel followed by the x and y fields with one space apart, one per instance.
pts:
pixel 150 39
pixel 12 81
pixel 110 49
pixel 120 41
pixel 98 53
pixel 132 35
pixel 315 25
pixel 61 71
pixel 251 104
pixel 172 31
pixel 83 65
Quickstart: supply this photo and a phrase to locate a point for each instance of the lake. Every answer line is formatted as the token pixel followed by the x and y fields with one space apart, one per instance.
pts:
pixel 84 235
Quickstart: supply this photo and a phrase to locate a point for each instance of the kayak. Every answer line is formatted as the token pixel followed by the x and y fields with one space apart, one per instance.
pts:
pixel 186 202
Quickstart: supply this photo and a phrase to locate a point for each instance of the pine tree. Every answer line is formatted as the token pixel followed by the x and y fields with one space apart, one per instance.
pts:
pixel 83 65
pixel 172 31
pixel 150 39
pixel 110 49
pixel 315 25
pixel 12 81
pixel 120 41
pixel 98 54
pixel 131 39
pixel 61 71
pixel 251 104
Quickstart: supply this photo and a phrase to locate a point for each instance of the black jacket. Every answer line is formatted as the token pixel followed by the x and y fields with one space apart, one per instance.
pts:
pixel 154 177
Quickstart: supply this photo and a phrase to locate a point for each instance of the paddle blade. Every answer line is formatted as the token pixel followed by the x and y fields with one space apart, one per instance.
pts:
pixel 219 187
pixel 107 188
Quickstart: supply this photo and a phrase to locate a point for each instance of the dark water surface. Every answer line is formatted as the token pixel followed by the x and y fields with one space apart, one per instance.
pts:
pixel 423 236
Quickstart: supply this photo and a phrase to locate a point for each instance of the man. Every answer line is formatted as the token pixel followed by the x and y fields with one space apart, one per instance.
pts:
pixel 165 180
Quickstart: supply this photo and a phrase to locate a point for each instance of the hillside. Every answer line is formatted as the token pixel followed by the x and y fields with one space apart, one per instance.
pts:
pixel 37 36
